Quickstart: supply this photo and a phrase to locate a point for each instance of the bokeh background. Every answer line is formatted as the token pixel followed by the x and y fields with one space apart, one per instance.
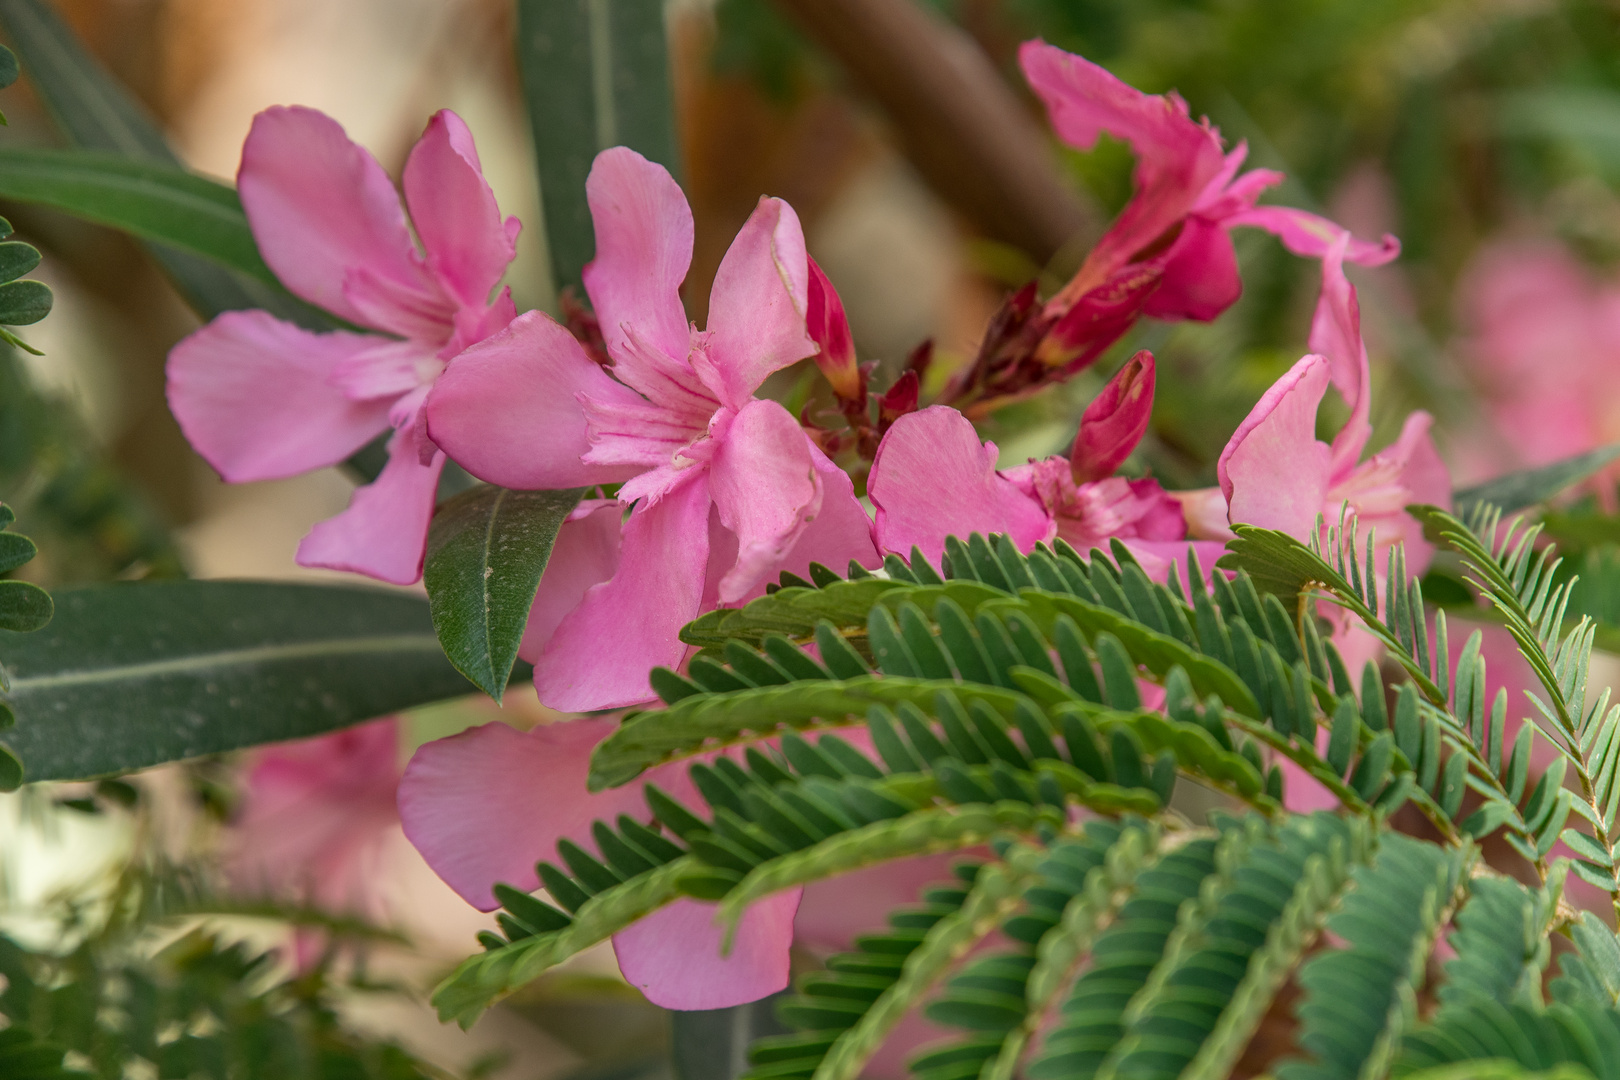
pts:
pixel 1484 133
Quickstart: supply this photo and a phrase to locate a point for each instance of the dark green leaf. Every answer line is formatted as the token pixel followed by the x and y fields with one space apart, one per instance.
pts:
pixel 24 607
pixel 486 551
pixel 134 674
pixel 1518 490
pixel 595 75
pixel 16 259
pixel 24 302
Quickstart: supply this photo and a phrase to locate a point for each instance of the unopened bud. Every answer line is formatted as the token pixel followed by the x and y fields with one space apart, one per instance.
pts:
pixel 829 329
pixel 1114 423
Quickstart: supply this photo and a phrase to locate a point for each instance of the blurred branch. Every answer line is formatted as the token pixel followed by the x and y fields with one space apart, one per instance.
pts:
pixel 959 123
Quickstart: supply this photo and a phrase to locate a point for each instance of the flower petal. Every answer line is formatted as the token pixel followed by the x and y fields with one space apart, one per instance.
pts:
pixel 673 955
pixel 1336 334
pixel 383 533
pixel 256 396
pixel 329 223
pixel 643 250
pixel 586 552
pixel 1274 472
pixel 485 805
pixel 1200 278
pixel 506 409
pixel 603 649
pixel 1114 422
pixel 468 245
pixel 765 490
pixel 840 532
pixel 932 478
pixel 829 327
pixel 757 306
pixel 1310 235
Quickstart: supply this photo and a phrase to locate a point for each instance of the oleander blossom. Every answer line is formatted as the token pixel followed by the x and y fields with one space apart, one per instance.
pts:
pixel 261 399
pixel 932 478
pixel 726 489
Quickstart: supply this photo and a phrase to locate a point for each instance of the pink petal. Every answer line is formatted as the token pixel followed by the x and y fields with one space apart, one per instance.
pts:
pixel 673 955
pixel 256 396
pixel 1200 274
pixel 586 552
pixel 1115 421
pixel 765 489
pixel 603 649
pixel 383 533
pixel 829 328
pixel 841 532
pixel 643 249
pixel 1310 235
pixel 1274 472
pixel 485 805
pixel 1176 158
pixel 1098 318
pixel 835 910
pixel 506 409
pixel 932 478
pixel 1336 334
pixel 468 245
pixel 329 223
pixel 757 306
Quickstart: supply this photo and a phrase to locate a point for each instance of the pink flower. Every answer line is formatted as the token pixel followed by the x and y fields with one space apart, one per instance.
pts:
pixel 1543 338
pixel 314 819
pixel 260 398
pixel 1275 473
pixel 932 478
pixel 1168 252
pixel 484 805
pixel 727 489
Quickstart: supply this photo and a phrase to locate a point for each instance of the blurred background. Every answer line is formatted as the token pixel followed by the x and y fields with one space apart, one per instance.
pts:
pixel 1484 133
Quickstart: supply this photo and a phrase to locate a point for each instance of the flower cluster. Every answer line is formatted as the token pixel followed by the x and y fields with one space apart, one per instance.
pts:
pixel 706 492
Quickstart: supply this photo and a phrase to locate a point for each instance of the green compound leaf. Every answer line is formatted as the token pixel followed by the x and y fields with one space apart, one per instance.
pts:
pixel 1521 489
pixel 486 550
pixel 134 674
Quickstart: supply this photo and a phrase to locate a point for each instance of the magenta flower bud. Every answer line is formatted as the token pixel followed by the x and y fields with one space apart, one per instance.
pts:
pixel 1113 424
pixel 829 329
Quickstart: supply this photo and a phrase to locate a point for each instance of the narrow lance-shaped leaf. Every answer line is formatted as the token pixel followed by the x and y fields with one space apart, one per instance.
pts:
pixel 486 551
pixel 1518 490
pixel 135 674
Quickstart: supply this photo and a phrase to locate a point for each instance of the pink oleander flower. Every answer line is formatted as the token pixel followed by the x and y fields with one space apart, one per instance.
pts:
pixel 932 478
pixel 726 489
pixel 313 822
pixel 484 805
pixel 1168 255
pixel 1543 338
pixel 1275 473
pixel 261 399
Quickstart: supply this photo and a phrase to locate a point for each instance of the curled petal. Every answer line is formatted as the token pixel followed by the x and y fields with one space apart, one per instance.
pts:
pixel 1200 278
pixel 258 397
pixel 507 411
pixel 757 306
pixel 329 223
pixel 1113 424
pixel 841 532
pixel 765 489
pixel 932 478
pixel 1274 473
pixel 602 650
pixel 585 553
pixel 674 955
pixel 643 249
pixel 383 533
pixel 1336 334
pixel 468 245
pixel 1310 235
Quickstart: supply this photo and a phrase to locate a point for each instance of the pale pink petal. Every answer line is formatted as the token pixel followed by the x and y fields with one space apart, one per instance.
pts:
pixel 1157 556
pixel 1336 334
pixel 329 223
pixel 1205 511
pixel 932 478
pixel 506 409
pixel 766 490
pixel 1407 472
pixel 256 397
pixel 757 306
pixel 602 650
pixel 383 533
pixel 1311 235
pixel 1274 473
pixel 643 249
pixel 840 532
pixel 835 910
pixel 1176 158
pixel 1115 421
pixel 485 805
pixel 1200 278
pixel 586 552
pixel 673 955
pixel 468 245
